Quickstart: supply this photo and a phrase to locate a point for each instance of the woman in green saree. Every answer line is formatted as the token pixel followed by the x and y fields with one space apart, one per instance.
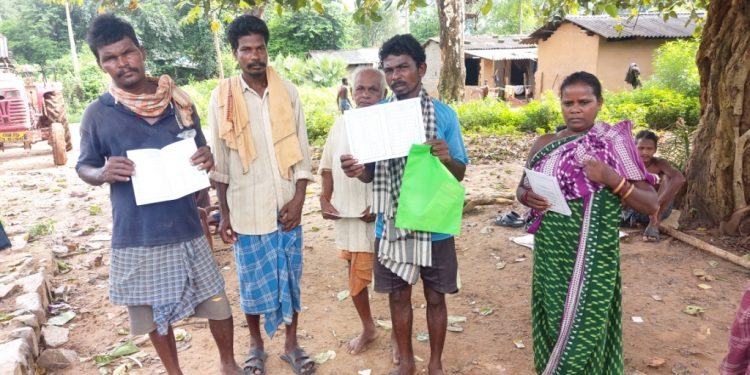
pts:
pixel 576 297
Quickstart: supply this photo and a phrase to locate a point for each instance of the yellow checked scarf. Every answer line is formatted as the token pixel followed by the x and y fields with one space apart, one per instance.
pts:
pixel 234 123
pixel 153 105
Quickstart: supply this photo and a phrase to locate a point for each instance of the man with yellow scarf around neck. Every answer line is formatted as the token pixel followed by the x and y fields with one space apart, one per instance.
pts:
pixel 261 172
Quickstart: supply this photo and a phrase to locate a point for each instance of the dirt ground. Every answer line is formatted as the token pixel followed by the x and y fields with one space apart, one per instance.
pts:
pixel 658 283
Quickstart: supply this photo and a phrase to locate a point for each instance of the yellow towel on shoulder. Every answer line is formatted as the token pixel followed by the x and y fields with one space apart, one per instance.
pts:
pixel 234 123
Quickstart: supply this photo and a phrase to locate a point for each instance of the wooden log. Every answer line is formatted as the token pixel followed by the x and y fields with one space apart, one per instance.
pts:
pixel 471 203
pixel 705 246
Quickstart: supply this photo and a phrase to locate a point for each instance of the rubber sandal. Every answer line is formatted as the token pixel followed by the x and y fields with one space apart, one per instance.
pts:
pixel 510 219
pixel 298 359
pixel 254 361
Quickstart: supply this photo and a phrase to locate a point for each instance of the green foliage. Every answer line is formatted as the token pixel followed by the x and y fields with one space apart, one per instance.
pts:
pixel 424 24
pixel 651 107
pixel 298 32
pixel 36 31
pixel 200 92
pixel 41 229
pixel 77 96
pixel 488 116
pixel 542 116
pixel 308 72
pixel 503 17
pixel 321 111
pixel 373 34
pixel 675 68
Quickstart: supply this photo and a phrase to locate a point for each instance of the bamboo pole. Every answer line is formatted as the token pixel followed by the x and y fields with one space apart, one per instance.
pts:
pixel 705 246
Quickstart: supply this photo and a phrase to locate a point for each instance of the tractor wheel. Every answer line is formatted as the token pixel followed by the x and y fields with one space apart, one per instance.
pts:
pixel 57 140
pixel 55 111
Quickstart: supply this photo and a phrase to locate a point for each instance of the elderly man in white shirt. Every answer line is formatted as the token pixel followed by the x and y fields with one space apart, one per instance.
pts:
pixel 350 204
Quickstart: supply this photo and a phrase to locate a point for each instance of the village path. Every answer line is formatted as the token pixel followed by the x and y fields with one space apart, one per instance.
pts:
pixel 35 191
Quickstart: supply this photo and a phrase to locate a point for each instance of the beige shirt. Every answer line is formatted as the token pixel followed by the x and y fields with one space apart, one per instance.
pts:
pixel 255 198
pixel 350 196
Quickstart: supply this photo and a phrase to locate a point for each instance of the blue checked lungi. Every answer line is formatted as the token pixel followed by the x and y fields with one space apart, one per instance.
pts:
pixel 173 279
pixel 269 267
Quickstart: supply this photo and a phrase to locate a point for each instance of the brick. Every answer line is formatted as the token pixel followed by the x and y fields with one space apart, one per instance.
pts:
pixel 55 336
pixel 26 320
pixel 16 358
pixel 29 335
pixel 36 283
pixel 55 359
pixel 32 303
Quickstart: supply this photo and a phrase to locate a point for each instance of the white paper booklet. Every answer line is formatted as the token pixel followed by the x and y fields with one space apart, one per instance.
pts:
pixel 548 187
pixel 384 131
pixel 166 174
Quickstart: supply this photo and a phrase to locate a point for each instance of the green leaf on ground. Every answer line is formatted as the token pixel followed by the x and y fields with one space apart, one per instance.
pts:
pixel 342 295
pixel 423 337
pixel 62 318
pixel 124 349
pixel 484 311
pixel 453 319
pixel 693 310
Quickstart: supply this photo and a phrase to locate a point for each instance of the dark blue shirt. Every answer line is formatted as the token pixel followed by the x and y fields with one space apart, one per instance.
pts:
pixel 110 129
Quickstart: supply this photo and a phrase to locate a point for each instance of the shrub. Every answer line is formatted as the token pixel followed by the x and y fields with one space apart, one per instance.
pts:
pixel 200 92
pixel 321 111
pixel 308 72
pixel 675 68
pixel 542 116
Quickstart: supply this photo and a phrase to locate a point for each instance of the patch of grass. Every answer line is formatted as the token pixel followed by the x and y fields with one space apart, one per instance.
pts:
pixel 94 210
pixel 42 229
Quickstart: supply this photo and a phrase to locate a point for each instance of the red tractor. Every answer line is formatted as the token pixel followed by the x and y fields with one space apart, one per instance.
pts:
pixel 31 111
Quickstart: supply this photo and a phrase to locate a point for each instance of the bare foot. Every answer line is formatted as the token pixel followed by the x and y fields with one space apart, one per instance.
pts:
pixel 435 369
pixel 404 369
pixel 230 369
pixel 396 357
pixel 359 344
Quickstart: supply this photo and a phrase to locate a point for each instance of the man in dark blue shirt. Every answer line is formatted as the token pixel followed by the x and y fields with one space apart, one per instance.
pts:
pixel 162 268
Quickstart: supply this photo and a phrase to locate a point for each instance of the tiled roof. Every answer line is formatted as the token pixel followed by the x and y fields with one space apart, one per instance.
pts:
pixel 475 42
pixel 645 25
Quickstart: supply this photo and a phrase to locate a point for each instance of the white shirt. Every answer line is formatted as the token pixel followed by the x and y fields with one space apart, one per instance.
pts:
pixel 350 196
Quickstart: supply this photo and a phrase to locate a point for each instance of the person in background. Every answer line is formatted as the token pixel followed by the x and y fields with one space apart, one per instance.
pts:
pixel 342 97
pixel 670 181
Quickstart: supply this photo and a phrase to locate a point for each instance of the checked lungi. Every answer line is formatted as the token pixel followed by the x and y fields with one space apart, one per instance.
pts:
pixel 269 267
pixel 173 279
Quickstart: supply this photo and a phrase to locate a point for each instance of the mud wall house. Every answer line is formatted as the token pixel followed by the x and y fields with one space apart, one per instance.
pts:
pixel 500 60
pixel 593 44
pixel 355 58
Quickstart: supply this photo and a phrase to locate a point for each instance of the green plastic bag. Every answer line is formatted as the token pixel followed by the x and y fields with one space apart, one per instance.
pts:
pixel 431 199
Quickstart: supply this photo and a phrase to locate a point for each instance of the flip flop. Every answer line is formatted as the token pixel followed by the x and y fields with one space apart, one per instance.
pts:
pixel 254 361
pixel 298 359
pixel 651 234
pixel 511 219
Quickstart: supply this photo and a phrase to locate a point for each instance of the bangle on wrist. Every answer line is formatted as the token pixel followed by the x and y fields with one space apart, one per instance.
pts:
pixel 619 186
pixel 630 191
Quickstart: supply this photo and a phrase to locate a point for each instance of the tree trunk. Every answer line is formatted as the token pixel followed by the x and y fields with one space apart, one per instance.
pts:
pixel 724 66
pixel 453 70
pixel 217 50
pixel 73 51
